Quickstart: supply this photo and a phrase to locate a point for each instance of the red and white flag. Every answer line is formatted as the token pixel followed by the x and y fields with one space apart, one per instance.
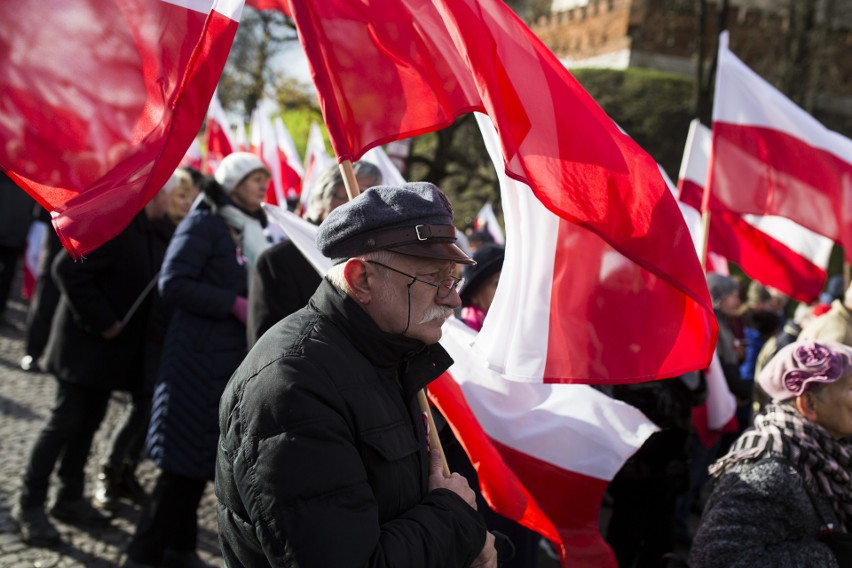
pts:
pixel 772 250
pixel 220 138
pixel 240 137
pixel 265 145
pixel 544 454
pixel 770 157
pixel 569 306
pixel 487 221
pixel 99 101
pixel 316 161
pixel 288 158
pixel 389 69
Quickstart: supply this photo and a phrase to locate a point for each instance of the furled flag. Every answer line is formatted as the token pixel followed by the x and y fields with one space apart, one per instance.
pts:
pixel 544 454
pixel 220 138
pixel 316 161
pixel 487 221
pixel 32 253
pixel 100 99
pixel 770 157
pixel 288 157
pixel 772 250
pixel 389 69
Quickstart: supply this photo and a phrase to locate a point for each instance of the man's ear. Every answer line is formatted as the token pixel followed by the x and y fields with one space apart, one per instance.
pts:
pixel 806 406
pixel 355 274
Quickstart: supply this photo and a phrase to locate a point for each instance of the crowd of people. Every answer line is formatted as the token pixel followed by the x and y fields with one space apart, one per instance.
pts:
pixel 298 395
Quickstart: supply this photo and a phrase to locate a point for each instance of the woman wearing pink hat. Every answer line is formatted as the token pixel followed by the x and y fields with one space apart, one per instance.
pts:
pixel 783 494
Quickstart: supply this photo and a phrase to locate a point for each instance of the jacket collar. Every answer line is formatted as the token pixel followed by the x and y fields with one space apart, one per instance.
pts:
pixel 417 363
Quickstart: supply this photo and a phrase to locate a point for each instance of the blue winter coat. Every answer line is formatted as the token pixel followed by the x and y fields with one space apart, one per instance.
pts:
pixel 201 277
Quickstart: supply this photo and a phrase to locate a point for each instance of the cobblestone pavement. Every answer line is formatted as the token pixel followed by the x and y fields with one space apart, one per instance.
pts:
pixel 25 400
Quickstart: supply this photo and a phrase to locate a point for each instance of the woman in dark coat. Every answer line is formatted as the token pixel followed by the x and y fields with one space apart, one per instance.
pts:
pixel 784 491
pixel 204 282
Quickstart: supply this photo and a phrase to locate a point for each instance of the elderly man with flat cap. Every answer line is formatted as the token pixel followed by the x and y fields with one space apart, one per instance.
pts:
pixel 323 457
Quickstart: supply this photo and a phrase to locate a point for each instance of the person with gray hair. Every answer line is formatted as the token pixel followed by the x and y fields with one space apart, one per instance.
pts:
pixel 783 495
pixel 282 280
pixel 329 192
pixel 323 457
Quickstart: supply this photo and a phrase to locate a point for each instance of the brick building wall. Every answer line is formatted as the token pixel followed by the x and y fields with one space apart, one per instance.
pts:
pixel 661 34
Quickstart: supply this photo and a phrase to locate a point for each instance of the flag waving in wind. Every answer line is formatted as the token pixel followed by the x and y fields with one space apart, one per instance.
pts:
pixel 389 69
pixel 99 101
pixel 772 250
pixel 770 157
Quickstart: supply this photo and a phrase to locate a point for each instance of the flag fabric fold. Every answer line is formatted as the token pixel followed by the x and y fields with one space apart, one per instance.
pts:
pixel 544 454
pixel 772 250
pixel 100 100
pixel 570 308
pixel 389 69
pixel 770 157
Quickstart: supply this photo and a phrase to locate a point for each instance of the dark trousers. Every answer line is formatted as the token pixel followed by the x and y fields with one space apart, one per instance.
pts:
pixel 170 520
pixel 67 438
pixel 8 263
pixel 44 301
pixel 128 439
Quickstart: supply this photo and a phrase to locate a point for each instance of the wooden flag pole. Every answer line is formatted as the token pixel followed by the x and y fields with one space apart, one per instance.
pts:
pixel 705 226
pixel 352 190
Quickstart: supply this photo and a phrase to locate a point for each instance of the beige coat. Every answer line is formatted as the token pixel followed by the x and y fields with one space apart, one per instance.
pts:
pixel 834 325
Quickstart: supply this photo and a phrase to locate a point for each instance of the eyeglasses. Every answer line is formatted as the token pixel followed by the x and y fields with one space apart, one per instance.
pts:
pixel 443 288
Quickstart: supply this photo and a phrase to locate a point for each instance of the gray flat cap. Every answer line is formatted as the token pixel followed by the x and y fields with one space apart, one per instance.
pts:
pixel 413 218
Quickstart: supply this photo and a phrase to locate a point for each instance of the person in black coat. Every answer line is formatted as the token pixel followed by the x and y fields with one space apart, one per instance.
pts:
pixel 203 283
pixel 323 457
pixel 95 347
pixel 16 216
pixel 283 280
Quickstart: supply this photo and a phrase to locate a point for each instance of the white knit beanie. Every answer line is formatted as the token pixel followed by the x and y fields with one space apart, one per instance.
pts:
pixel 234 169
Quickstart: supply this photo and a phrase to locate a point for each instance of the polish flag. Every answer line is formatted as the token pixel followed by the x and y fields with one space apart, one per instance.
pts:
pixel 316 161
pixel 487 221
pixel 288 158
pixel 32 253
pixel 220 139
pixel 770 157
pixel 99 101
pixel 571 306
pixel 390 69
pixel 773 250
pixel 264 144
pixel 544 454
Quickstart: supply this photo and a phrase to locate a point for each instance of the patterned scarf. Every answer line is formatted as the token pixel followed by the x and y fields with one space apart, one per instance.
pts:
pixel 824 462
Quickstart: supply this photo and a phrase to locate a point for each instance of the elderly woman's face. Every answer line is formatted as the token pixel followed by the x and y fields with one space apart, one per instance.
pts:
pixel 833 407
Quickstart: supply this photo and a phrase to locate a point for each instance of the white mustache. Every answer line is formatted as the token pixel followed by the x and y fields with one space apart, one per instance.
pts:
pixel 442 313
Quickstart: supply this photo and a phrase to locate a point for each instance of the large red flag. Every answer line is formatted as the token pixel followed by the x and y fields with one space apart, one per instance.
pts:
pixel 389 69
pixel 770 157
pixel 773 250
pixel 100 99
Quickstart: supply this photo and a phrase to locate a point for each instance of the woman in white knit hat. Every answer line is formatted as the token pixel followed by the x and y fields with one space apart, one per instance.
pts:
pixel 204 281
